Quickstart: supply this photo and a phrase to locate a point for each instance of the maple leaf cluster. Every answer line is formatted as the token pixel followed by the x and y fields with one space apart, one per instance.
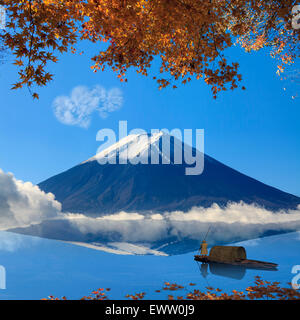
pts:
pixel 260 290
pixel 189 38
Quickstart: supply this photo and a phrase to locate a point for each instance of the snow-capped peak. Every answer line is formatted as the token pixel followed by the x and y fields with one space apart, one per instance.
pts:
pixel 134 145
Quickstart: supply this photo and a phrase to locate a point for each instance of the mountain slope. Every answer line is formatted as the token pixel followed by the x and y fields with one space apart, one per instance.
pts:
pixel 97 189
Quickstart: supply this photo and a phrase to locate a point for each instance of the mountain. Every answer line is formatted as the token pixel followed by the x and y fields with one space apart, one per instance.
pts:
pixel 97 189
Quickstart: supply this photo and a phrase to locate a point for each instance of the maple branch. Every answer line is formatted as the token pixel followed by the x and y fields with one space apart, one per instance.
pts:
pixel 32 27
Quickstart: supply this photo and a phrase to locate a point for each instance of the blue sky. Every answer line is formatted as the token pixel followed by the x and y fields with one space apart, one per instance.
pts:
pixel 255 131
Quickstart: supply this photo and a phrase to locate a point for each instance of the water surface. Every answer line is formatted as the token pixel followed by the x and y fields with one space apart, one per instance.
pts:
pixel 36 268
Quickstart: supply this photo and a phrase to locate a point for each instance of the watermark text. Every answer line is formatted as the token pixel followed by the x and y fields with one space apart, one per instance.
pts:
pixel 2 278
pixel 157 147
pixel 296 278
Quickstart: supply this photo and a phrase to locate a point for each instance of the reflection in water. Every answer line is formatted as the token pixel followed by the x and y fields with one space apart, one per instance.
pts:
pixel 225 270
pixel 203 269
pixel 222 269
pixel 11 242
pixel 171 234
pixel 38 267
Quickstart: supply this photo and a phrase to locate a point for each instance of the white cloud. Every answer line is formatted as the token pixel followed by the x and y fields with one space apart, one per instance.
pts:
pixel 130 227
pixel 77 109
pixel 22 203
pixel 235 222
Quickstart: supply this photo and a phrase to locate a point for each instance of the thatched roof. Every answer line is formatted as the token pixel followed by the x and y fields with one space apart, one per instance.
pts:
pixel 227 253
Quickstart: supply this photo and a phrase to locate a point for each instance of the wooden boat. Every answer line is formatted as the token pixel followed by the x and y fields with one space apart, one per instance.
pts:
pixel 235 256
pixel 249 264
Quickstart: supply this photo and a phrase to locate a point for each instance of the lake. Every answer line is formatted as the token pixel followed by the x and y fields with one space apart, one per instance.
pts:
pixel 36 268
